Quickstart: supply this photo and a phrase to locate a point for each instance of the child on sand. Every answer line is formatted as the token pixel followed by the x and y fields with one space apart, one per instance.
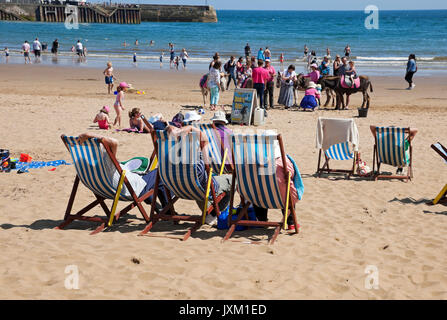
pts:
pixel 118 105
pixel 102 118
pixel 108 73
pixel 136 122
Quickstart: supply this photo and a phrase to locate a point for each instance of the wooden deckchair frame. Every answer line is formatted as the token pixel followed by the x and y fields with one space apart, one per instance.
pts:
pixel 325 168
pixel 168 213
pixel 376 174
pixel 136 202
pixel 245 204
pixel 442 195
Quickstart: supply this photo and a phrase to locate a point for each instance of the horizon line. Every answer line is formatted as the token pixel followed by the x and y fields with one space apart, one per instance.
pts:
pixel 340 10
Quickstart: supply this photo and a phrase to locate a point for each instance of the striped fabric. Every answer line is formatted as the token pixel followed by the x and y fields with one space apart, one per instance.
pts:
pixel 256 170
pixel 391 146
pixel 339 151
pixel 214 146
pixel 178 158
pixel 90 167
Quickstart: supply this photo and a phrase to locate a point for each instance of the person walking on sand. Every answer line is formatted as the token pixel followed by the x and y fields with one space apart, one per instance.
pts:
pixel 260 75
pixel 247 50
pixel 108 73
pixel 118 105
pixel 25 49
pixel 412 68
pixel 213 83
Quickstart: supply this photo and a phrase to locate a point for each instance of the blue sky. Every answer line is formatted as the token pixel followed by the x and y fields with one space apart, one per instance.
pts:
pixel 308 5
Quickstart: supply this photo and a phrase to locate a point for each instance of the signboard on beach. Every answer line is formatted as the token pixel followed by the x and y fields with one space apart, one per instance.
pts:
pixel 244 100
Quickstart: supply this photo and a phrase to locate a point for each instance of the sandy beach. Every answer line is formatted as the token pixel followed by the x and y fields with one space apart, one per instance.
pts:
pixel 346 225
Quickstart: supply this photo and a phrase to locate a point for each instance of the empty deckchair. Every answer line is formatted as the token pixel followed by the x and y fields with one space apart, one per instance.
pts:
pixel 442 151
pixel 215 147
pixel 335 138
pixel 178 158
pixel 255 171
pixel 90 170
pixel 393 147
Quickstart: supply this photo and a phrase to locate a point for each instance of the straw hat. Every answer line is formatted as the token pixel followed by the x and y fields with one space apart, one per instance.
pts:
pixel 219 116
pixel 191 116
pixel 312 85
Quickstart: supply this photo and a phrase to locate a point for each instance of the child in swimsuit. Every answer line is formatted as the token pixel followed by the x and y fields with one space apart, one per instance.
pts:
pixel 136 122
pixel 102 118
pixel 118 105
pixel 108 73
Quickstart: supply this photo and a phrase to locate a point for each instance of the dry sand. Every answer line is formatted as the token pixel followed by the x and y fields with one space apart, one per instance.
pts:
pixel 346 225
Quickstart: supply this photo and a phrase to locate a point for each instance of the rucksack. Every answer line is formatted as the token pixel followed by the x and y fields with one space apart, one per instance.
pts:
pixel 227 66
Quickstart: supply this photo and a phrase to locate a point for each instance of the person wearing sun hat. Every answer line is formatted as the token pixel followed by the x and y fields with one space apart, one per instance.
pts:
pixel 310 97
pixel 315 74
pixel 219 120
pixel 191 116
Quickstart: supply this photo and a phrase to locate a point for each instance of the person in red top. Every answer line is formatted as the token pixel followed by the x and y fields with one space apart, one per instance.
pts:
pixel 269 84
pixel 259 76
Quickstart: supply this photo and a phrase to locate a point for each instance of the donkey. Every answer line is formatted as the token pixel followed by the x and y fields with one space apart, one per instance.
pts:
pixel 205 90
pixel 334 83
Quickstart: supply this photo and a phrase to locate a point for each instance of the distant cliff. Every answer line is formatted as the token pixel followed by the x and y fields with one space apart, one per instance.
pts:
pixel 105 14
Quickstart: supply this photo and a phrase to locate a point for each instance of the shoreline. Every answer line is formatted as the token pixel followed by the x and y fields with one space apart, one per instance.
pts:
pixel 431 69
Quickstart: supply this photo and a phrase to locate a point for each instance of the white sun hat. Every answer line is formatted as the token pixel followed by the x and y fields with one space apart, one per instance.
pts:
pixel 219 116
pixel 192 116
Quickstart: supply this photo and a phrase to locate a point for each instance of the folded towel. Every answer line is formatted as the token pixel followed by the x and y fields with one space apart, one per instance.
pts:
pixel 297 180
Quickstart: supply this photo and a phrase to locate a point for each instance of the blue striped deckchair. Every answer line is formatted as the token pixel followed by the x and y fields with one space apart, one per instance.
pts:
pixel 340 151
pixel 255 170
pixel 90 170
pixel 214 147
pixel 442 196
pixel 392 147
pixel 177 169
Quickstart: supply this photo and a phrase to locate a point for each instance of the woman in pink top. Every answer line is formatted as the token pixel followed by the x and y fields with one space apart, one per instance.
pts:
pixel 315 74
pixel 311 95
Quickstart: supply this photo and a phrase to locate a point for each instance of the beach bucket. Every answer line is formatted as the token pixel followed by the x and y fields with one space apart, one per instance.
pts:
pixel 363 112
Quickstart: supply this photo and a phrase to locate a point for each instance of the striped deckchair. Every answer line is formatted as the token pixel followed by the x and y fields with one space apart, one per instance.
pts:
pixel 177 168
pixel 340 151
pixel 215 147
pixel 392 147
pixel 90 170
pixel 337 151
pixel 442 196
pixel 255 172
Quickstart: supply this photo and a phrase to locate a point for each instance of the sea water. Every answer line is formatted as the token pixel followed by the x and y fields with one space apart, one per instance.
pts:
pixel 376 51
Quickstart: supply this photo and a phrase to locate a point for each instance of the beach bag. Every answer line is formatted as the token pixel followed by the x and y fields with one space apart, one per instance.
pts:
pixel 138 165
pixel 203 81
pixel 222 220
pixel 4 160
pixel 362 169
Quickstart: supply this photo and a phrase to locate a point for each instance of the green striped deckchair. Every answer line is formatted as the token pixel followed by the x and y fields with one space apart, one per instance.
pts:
pixel 392 147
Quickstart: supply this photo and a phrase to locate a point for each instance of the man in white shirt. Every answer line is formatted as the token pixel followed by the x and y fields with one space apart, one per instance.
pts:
pixel 79 48
pixel 26 49
pixel 37 47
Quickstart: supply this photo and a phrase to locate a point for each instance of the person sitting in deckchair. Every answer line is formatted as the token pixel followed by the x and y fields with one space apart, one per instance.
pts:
pixel 221 183
pixel 140 183
pixel 261 213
